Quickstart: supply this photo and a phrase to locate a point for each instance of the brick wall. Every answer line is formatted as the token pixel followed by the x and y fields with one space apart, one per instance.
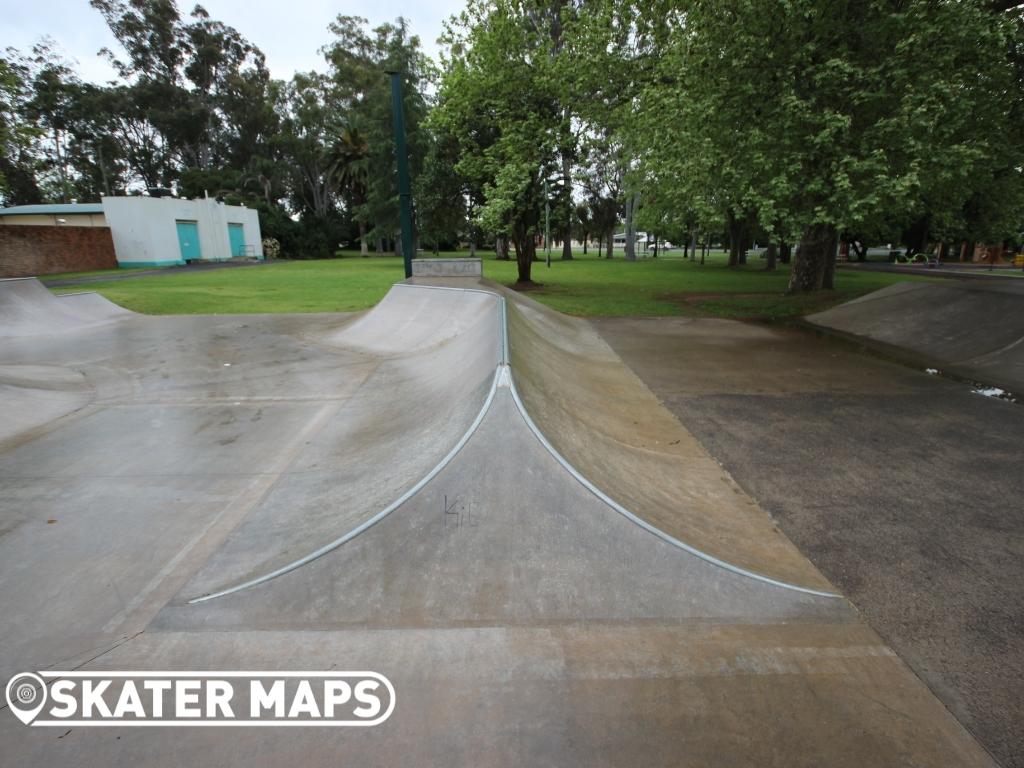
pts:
pixel 44 250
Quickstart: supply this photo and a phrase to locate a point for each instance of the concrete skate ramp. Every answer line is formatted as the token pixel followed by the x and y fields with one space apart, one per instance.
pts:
pixel 435 354
pixel 34 395
pixel 502 535
pixel 447 344
pixel 611 428
pixel 971 328
pixel 519 614
pixel 27 308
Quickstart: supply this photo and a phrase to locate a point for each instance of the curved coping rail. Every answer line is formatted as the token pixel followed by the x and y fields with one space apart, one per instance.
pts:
pixel 501 377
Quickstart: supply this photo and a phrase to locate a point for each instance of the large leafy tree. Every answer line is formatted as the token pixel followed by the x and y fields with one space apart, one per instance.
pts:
pixel 502 73
pixel 819 116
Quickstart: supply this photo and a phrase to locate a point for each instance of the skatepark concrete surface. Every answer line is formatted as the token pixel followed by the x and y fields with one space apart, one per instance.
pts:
pixel 459 489
pixel 904 488
pixel 968 328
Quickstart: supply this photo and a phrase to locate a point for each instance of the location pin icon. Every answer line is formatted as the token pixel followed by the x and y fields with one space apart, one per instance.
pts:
pixel 26 695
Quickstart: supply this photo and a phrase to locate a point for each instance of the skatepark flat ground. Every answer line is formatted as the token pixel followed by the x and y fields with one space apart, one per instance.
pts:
pixel 904 488
pixel 461 490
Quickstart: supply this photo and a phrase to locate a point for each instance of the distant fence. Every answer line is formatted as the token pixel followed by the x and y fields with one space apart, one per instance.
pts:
pixel 45 250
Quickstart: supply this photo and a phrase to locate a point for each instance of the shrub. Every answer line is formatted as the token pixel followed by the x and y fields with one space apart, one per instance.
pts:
pixel 271 248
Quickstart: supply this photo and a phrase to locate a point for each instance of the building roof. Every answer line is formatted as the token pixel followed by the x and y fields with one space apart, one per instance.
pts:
pixel 65 209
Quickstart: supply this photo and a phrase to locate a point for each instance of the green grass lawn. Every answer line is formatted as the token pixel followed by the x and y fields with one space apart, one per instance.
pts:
pixel 585 286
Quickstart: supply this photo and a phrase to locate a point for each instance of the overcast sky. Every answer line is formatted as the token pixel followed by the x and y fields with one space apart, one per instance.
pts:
pixel 289 32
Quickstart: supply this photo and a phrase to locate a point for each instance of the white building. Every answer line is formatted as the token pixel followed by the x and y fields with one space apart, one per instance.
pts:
pixel 159 231
pixel 155 231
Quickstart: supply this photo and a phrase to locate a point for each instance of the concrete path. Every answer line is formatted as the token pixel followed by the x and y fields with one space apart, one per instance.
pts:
pixel 904 488
pixel 414 492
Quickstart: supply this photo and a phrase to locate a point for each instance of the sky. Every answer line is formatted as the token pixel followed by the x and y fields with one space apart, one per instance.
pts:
pixel 289 32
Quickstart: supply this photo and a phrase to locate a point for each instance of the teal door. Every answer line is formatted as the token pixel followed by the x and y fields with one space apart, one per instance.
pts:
pixel 237 236
pixel 188 240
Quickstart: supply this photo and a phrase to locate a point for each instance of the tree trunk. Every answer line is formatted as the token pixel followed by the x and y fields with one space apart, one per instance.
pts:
pixel 611 243
pixel 364 251
pixel 686 250
pixel 769 257
pixel 704 251
pixel 631 202
pixel 526 252
pixel 380 245
pixel 734 227
pixel 586 237
pixel 828 279
pixel 472 249
pixel 817 249
pixel 746 228
pixel 600 245
pixel 785 251
pixel 501 248
pixel 61 167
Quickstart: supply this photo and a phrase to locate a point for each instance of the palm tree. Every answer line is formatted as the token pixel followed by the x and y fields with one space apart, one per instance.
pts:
pixel 348 168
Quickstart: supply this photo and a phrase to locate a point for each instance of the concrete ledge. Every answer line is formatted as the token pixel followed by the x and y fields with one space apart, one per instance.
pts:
pixel 447 267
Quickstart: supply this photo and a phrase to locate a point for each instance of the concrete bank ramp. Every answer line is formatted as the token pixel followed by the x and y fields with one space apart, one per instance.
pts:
pixel 27 308
pixel 970 328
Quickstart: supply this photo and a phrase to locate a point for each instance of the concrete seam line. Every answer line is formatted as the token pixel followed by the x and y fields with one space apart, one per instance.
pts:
pixel 607 499
pixel 361 528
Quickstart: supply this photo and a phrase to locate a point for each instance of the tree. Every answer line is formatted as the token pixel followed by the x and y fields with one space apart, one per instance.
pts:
pixel 349 168
pixel 501 70
pixel 360 98
pixel 440 194
pixel 18 163
pixel 820 115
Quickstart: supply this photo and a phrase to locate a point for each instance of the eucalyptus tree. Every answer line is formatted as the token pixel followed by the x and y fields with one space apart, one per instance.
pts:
pixel 194 92
pixel 18 136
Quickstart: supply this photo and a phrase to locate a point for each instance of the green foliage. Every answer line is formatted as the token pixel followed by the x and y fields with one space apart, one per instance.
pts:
pixel 826 115
pixel 500 96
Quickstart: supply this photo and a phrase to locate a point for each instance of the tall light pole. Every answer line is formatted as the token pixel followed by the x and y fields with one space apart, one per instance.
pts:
pixel 402 159
pixel 547 222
